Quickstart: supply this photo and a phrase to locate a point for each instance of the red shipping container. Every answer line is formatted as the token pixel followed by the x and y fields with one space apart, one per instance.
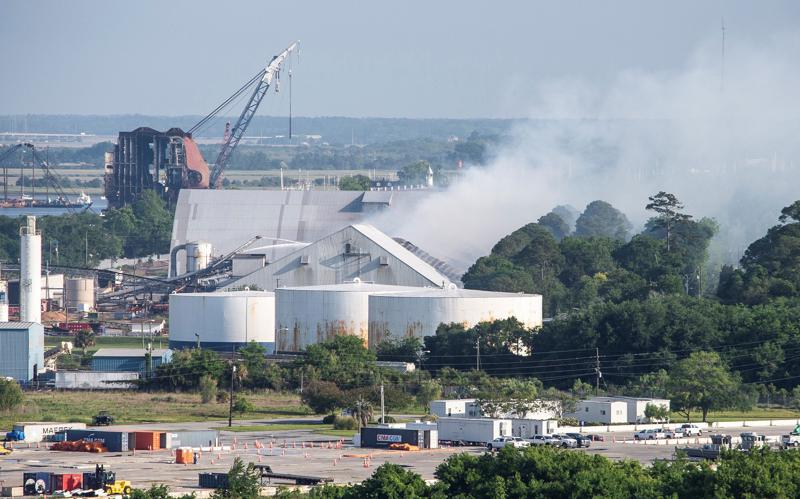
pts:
pixel 66 481
pixel 148 440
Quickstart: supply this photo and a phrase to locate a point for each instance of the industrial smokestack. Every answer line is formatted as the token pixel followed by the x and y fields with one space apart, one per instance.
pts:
pixel 30 278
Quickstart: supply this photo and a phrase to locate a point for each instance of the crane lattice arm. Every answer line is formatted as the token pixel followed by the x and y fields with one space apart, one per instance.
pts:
pixel 236 134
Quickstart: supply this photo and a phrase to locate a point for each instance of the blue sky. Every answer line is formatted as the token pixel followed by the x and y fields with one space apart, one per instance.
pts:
pixel 449 59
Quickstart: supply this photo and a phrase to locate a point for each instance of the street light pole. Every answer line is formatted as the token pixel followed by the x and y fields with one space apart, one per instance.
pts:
pixel 230 396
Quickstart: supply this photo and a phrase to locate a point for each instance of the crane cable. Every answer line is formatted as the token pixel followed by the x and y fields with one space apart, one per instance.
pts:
pixel 227 101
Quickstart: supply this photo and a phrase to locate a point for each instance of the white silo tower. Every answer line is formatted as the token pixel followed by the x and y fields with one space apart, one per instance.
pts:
pixel 30 273
pixel 3 301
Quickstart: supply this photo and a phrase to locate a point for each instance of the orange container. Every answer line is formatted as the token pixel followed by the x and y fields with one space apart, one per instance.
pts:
pixel 147 440
pixel 184 456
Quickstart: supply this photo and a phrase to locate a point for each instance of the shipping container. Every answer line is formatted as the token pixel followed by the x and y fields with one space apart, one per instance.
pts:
pixel 193 438
pixel 147 440
pixel 472 431
pixel 213 480
pixel 35 484
pixel 383 437
pixel 184 455
pixel 66 481
pixel 114 441
pixel 40 432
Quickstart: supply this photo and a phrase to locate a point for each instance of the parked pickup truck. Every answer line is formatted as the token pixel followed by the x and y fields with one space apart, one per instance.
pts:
pixel 500 442
pixel 543 440
pixel 651 434
pixel 790 440
pixel 690 430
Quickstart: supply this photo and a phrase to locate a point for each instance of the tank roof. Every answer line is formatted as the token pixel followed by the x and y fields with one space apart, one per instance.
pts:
pixel 458 293
pixel 352 287
pixel 222 294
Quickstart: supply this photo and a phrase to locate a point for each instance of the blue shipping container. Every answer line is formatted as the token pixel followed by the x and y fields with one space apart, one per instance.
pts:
pixel 114 441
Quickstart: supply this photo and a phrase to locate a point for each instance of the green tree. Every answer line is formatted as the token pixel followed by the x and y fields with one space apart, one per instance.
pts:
pixel 244 482
pixel 702 381
pixel 405 349
pixel 354 183
pixel 668 214
pixel 496 273
pixel 323 397
pixel 603 220
pixel 656 412
pixel 361 411
pixel 83 339
pixel 417 173
pixel 208 389
pixel 10 395
pixel 390 481
pixel 344 360
pixel 554 224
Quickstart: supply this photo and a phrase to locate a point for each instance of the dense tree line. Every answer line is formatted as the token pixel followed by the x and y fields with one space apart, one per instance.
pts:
pixel 598 261
pixel 544 472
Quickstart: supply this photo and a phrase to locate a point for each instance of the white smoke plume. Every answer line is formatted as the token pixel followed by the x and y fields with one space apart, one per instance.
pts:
pixel 724 141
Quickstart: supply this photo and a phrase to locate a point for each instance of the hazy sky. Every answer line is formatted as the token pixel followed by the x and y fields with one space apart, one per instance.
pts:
pixel 399 59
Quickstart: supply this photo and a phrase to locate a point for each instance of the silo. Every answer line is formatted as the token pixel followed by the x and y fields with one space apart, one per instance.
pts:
pixel 198 256
pixel 30 279
pixel 307 315
pixel 79 294
pixel 3 301
pixel 223 321
pixel 419 313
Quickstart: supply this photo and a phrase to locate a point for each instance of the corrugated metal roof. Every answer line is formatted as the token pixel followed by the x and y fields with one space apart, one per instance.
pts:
pixel 401 253
pixel 129 352
pixel 380 197
pixel 228 218
pixel 17 325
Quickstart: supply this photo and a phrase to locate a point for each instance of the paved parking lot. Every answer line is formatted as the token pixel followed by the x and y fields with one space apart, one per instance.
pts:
pixel 344 463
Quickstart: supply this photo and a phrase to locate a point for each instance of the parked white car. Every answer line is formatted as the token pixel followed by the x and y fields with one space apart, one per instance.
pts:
pixel 565 441
pixel 676 433
pixel 690 430
pixel 543 440
pixel 651 434
pixel 500 442
pixel 790 440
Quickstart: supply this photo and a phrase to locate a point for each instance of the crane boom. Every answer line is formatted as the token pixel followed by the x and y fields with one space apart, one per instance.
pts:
pixel 270 73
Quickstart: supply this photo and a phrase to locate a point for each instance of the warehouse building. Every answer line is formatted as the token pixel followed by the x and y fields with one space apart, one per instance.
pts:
pixel 222 321
pixel 129 360
pixel 21 350
pixel 307 315
pixel 355 252
pixel 285 220
pixel 420 312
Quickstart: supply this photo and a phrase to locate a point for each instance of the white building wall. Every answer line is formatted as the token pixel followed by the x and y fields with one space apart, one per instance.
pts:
pixel 21 348
pixel 30 281
pixel 94 380
pixel 608 412
pixel 527 428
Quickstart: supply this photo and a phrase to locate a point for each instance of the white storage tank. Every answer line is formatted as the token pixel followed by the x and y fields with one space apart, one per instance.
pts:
pixel 420 313
pixel 79 294
pixel 222 321
pixel 307 315
pixel 3 301
pixel 198 256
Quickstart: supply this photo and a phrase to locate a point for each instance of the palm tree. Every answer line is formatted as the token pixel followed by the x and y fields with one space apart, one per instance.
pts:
pixel 84 338
pixel 361 411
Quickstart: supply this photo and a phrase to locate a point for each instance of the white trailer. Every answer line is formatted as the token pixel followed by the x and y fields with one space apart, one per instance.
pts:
pixel 469 431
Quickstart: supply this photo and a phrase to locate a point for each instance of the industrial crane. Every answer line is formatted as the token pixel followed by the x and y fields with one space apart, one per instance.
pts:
pixel 263 80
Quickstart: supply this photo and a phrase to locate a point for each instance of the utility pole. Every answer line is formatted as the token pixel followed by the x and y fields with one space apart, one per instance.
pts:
pixel 301 381
pixel 597 372
pixel 230 396
pixel 383 413
pixel 478 353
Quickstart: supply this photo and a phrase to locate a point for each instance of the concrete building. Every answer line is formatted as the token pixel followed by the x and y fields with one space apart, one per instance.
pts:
pixel 312 314
pixel 357 251
pixel 222 321
pixel 419 313
pixel 21 350
pixel 285 220
pixel 129 360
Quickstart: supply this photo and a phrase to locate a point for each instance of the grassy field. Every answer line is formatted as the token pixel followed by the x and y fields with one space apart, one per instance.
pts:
pixel 102 342
pixel 140 407
pixel 318 428
pixel 756 413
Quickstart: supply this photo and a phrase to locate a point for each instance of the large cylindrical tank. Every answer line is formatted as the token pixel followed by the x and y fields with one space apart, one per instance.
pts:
pixel 307 315
pixel 401 315
pixel 30 279
pixel 79 294
pixel 223 321
pixel 198 256
pixel 3 301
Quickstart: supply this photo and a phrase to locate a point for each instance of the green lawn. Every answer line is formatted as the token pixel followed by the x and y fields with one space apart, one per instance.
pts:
pixel 105 342
pixel 266 428
pixel 756 413
pixel 142 407
pixel 337 433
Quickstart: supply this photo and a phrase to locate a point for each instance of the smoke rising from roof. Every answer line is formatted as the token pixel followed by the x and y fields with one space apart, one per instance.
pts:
pixel 725 145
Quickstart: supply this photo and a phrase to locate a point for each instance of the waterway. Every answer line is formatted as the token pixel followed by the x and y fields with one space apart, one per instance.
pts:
pixel 98 205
